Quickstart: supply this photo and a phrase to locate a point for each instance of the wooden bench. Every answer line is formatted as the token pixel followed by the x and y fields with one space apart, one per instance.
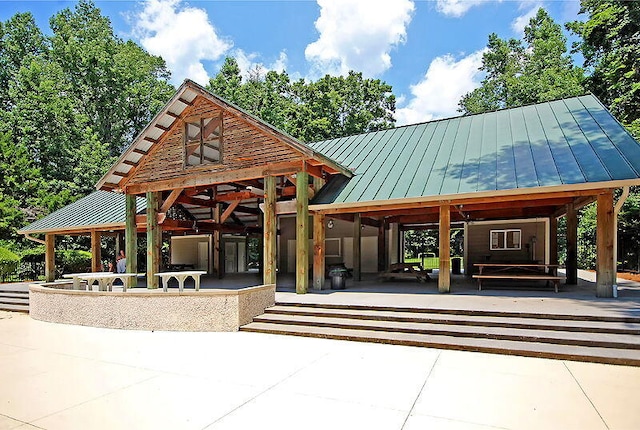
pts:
pixel 519 271
pixel 405 271
pixel 523 276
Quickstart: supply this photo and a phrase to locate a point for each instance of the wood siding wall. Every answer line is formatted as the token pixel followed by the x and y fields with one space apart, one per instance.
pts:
pixel 244 146
pixel 479 244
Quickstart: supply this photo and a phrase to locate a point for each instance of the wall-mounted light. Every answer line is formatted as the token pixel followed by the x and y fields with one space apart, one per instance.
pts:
pixel 330 223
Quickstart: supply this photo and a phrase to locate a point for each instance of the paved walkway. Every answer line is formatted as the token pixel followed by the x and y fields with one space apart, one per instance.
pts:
pixel 69 377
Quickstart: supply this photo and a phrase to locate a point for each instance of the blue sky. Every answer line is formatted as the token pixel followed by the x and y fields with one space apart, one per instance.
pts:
pixel 429 51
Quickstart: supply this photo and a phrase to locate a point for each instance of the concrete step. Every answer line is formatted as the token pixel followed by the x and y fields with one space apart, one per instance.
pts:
pixel 14 307
pixel 14 300
pixel 15 294
pixel 623 341
pixel 468 312
pixel 509 347
pixel 507 321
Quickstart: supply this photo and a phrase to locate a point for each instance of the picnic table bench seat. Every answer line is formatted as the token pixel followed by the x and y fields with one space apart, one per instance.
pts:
pixel 405 271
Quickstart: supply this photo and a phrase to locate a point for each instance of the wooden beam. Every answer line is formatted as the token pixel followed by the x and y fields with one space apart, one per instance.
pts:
pixel 208 179
pixel 302 232
pixel 357 247
pixel 605 269
pixel 217 236
pixel 130 163
pixel 161 127
pixel 171 199
pixel 173 115
pixel 140 151
pixel 553 240
pixel 319 233
pixel 424 202
pixel 153 230
pixel 96 257
pixel 382 248
pixel 269 231
pixel 444 275
pixel 196 201
pixel 571 262
pixel 131 238
pixel 186 102
pixel 227 213
pixel 50 257
pixel 315 171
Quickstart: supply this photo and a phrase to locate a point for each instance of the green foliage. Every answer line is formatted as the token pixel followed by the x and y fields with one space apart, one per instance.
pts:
pixel 532 70
pixel 587 250
pixel 611 51
pixel 69 103
pixel 73 261
pixel 8 263
pixel 333 106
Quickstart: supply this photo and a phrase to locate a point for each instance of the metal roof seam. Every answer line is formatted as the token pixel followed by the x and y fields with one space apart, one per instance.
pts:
pixel 352 186
pixel 546 137
pixel 533 159
pixel 424 154
pixel 396 159
pixel 424 127
pixel 615 145
pixel 571 149
pixel 461 122
pixel 595 151
pixel 383 153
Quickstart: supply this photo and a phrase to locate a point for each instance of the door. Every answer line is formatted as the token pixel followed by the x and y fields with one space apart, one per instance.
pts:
pixel 203 256
pixel 230 257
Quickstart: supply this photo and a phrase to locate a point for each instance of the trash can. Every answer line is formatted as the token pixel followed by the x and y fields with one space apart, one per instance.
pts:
pixel 455 265
pixel 338 277
pixel 338 282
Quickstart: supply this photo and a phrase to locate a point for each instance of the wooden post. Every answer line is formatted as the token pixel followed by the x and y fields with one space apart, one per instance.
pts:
pixel 319 233
pixel 444 276
pixel 357 247
pixel 153 253
pixel 50 257
pixel 572 245
pixel 217 235
pixel 382 255
pixel 269 231
pixel 131 238
pixel 553 240
pixel 605 269
pixel 96 254
pixel 302 232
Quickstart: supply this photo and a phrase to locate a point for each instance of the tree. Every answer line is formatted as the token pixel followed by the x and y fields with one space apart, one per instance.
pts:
pixel 333 106
pixel 118 85
pixel 20 41
pixel 611 49
pixel 518 72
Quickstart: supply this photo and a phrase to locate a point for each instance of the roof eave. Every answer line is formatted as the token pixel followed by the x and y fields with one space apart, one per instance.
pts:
pixel 435 200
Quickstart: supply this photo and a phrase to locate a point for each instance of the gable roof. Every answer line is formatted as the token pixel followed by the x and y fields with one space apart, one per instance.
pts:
pixel 574 143
pixel 162 123
pixel 98 210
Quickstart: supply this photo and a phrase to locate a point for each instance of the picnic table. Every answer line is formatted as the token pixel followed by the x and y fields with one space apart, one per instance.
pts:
pixel 76 277
pixel 180 277
pixel 518 272
pixel 406 271
pixel 105 280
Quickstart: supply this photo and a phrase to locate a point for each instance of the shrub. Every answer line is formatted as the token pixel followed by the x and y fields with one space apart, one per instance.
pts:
pixel 8 263
pixel 73 261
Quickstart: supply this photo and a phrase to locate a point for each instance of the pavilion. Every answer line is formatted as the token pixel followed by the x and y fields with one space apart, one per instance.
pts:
pixel 205 165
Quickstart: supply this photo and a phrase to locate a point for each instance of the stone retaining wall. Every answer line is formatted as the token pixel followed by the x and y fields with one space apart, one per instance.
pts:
pixel 204 310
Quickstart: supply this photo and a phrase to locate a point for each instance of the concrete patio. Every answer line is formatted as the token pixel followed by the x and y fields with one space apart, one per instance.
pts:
pixel 59 376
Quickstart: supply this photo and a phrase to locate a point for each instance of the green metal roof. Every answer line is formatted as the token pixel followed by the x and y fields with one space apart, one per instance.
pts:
pixel 563 142
pixel 100 208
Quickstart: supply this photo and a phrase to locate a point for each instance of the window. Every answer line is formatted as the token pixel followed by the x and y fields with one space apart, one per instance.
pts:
pixel 505 239
pixel 203 140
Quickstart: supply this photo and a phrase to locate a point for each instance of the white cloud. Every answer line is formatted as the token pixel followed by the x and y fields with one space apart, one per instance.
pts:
pixel 358 35
pixel 250 61
pixel 518 24
pixel 182 35
pixel 457 8
pixel 438 93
